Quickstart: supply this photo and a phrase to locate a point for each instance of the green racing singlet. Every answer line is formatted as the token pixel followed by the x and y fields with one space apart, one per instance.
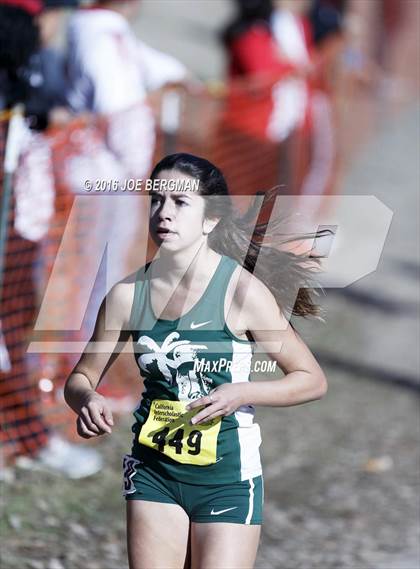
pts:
pixel 182 360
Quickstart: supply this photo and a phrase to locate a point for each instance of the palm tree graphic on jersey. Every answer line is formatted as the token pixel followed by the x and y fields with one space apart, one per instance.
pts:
pixel 178 369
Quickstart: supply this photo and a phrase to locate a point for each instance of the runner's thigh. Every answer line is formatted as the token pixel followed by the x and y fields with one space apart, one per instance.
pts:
pixel 224 545
pixel 157 535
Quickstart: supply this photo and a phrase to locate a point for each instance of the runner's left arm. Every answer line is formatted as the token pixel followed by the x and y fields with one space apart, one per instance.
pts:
pixel 304 379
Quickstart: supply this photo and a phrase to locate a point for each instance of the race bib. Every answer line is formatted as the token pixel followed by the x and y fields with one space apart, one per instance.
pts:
pixel 168 430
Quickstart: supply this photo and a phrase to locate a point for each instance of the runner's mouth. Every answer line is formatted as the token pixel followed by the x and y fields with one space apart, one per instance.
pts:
pixel 165 232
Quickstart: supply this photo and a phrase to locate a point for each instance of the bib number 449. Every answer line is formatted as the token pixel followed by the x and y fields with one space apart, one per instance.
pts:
pixel 168 430
pixel 177 441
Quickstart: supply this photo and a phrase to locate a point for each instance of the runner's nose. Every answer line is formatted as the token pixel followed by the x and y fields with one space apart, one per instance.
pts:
pixel 166 211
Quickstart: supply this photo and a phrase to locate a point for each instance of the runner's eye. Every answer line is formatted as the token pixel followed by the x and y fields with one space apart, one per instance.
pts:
pixel 155 201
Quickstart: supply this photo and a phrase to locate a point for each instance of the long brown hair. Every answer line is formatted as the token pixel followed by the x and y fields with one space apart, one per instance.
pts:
pixel 289 276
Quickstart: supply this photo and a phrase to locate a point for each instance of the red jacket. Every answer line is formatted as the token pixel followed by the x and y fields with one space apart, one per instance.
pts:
pixel 255 66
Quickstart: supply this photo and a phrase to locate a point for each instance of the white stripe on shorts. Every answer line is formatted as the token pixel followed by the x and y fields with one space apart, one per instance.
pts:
pixel 251 502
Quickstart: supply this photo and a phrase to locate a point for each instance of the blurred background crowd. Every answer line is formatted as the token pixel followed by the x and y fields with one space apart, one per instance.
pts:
pixel 275 92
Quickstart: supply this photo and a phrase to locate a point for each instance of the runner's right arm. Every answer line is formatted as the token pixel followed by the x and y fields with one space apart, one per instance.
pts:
pixel 108 339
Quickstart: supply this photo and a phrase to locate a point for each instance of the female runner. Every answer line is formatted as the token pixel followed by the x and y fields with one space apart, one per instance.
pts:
pixel 193 481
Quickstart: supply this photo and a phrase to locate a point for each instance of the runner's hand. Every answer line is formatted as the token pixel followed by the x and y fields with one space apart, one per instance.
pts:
pixel 95 417
pixel 222 401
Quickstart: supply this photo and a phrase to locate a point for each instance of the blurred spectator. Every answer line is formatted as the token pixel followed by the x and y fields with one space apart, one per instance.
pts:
pixel 109 68
pixel 19 40
pixel 255 67
pixel 24 432
pixel 327 47
pixel 47 101
pixel 292 33
pixel 250 44
pixel 271 46
pixel 296 24
pixel 110 73
pixel 254 55
pixel 326 17
pixel 268 44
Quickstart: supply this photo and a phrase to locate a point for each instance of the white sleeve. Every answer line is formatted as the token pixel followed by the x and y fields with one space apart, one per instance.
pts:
pixel 34 188
pixel 106 82
pixel 159 68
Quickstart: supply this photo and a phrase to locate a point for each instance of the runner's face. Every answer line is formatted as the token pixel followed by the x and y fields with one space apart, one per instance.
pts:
pixel 180 212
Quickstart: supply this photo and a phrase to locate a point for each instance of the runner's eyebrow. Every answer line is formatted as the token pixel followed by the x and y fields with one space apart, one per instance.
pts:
pixel 171 194
pixel 176 196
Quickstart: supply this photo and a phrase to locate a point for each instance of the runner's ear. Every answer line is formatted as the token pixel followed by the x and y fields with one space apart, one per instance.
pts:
pixel 209 224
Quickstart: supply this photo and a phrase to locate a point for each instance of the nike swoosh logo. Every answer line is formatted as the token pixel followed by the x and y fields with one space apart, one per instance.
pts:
pixel 193 326
pixel 213 513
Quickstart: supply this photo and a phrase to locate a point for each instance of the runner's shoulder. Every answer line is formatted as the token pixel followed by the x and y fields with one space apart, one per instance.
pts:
pixel 254 297
pixel 249 287
pixel 119 300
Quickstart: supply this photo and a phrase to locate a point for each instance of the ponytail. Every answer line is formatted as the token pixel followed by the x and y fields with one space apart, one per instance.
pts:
pixel 289 276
